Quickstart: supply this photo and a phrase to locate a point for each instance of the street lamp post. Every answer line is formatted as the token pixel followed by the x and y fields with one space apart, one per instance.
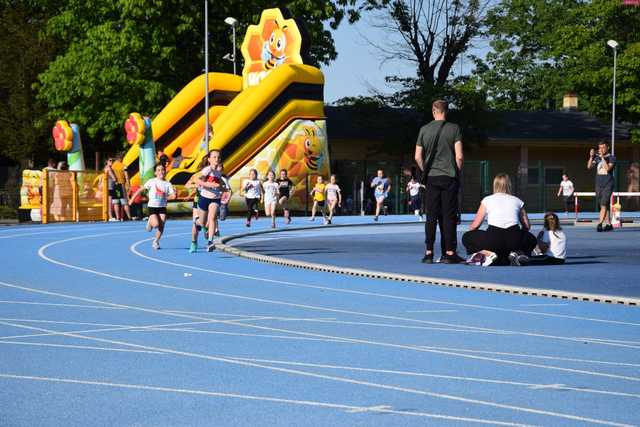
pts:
pixel 614 45
pixel 232 22
pixel 206 74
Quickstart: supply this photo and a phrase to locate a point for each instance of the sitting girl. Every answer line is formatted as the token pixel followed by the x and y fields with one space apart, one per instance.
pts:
pixel 551 248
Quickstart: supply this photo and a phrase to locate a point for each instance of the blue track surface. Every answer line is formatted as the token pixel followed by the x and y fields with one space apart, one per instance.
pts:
pixel 96 328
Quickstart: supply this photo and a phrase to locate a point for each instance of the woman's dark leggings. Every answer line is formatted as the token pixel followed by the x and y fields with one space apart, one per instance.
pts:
pixel 252 207
pixel 502 241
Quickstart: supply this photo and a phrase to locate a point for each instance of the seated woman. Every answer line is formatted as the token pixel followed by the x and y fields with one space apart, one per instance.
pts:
pixel 508 229
pixel 551 248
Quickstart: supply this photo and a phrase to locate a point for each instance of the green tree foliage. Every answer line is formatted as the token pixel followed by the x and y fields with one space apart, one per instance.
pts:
pixel 24 131
pixel 544 48
pixel 119 56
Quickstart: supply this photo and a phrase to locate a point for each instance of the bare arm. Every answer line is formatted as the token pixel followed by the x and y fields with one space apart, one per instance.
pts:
pixel 524 219
pixel 590 162
pixel 459 154
pixel 559 190
pixel 136 194
pixel 477 220
pixel 418 157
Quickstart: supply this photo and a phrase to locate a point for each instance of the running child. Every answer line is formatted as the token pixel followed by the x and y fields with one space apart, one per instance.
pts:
pixel 318 198
pixel 382 187
pixel 413 188
pixel 334 197
pixel 285 191
pixel 251 189
pixel 211 187
pixel 271 192
pixel 159 192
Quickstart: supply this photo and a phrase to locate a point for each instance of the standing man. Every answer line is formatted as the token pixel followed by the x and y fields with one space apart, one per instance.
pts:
pixel 604 163
pixel 439 157
pixel 381 188
pixel 566 189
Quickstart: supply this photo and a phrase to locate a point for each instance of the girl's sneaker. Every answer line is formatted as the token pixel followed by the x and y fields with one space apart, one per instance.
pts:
pixel 476 259
pixel 155 244
pixel 211 247
pixel 193 248
pixel 248 223
pixel 489 259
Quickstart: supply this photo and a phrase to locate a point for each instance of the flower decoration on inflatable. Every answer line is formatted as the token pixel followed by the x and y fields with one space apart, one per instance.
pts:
pixel 135 128
pixel 62 135
pixel 271 43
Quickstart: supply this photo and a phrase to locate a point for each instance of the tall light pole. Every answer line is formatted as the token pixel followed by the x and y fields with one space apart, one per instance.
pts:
pixel 613 45
pixel 206 74
pixel 232 22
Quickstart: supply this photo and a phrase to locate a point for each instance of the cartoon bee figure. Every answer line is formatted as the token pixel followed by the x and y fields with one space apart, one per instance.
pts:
pixel 273 49
pixel 304 151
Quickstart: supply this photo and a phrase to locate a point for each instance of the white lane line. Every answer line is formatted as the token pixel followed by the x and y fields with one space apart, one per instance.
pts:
pixel 351 340
pixel 79 347
pixel 548 387
pixel 378 408
pixel 610 340
pixel 427 375
pixel 245 298
pixel 133 249
pixel 543 305
pixel 40 233
pixel 328 405
pixel 432 311
pixel 339 379
pixel 59 305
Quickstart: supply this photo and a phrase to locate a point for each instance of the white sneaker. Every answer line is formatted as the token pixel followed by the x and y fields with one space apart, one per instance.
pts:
pixel 155 244
pixel 476 259
pixel 113 219
pixel 489 259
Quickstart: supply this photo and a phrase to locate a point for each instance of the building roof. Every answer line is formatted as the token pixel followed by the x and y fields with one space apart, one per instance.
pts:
pixel 346 122
pixel 555 125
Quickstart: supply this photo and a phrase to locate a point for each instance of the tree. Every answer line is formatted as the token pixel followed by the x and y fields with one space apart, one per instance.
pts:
pixel 131 55
pixel 23 125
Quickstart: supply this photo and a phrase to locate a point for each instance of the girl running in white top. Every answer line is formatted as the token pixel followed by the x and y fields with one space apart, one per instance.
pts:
pixel 211 186
pixel 251 189
pixel 159 192
pixel 271 192
pixel 334 197
pixel 194 190
pixel 413 188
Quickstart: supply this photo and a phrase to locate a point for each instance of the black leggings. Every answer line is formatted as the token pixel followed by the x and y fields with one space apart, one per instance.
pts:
pixel 502 241
pixel 252 207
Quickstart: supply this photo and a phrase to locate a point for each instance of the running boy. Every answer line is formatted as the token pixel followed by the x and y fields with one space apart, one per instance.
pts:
pixel 285 189
pixel 159 192
pixel 251 189
pixel 334 197
pixel 271 192
pixel 318 198
pixel 413 188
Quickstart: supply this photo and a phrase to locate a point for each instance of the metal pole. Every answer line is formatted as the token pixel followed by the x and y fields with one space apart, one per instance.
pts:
pixel 613 116
pixel 206 73
pixel 234 49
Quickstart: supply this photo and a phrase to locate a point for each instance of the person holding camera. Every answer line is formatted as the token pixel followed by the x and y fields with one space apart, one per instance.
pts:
pixel 604 163
pixel 439 156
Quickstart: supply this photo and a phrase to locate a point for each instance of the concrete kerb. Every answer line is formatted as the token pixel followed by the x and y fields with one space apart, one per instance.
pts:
pixel 221 244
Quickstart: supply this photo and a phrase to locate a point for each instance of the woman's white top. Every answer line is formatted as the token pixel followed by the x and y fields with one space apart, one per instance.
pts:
pixel 557 242
pixel 252 189
pixel 271 191
pixel 503 210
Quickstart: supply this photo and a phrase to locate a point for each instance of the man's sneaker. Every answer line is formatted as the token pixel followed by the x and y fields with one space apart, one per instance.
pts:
pixel 148 226
pixel 489 259
pixel 193 248
pixel 476 259
pixel 155 244
pixel 451 259
pixel 608 227
pixel 427 259
pixel 599 228
pixel 210 247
